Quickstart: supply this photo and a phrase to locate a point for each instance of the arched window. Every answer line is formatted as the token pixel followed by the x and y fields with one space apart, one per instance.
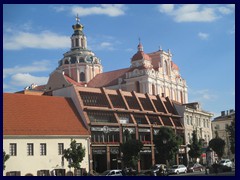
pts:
pixel 66 62
pixel 82 76
pixel 137 86
pixel 72 43
pixel 82 43
pixel 81 59
pixel 153 89
pixel 181 96
pixel 77 42
pixel 165 68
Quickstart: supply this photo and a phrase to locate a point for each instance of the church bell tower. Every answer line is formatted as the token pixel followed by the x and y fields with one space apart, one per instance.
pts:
pixel 80 63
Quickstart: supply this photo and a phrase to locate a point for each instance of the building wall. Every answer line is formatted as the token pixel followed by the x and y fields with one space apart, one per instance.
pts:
pixel 219 124
pixel 199 121
pixel 31 164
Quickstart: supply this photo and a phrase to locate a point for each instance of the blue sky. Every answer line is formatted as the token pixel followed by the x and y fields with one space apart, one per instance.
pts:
pixel 200 36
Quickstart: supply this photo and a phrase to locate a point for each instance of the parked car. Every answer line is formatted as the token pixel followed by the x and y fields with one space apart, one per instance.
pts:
pixel 176 169
pixel 114 172
pixel 155 169
pixel 195 167
pixel 226 162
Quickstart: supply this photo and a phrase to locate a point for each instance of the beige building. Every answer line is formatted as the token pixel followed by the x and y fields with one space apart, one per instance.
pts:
pixel 36 130
pixel 219 124
pixel 194 118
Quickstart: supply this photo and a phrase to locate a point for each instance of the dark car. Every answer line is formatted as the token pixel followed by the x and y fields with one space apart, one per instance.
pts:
pixel 195 167
pixel 155 170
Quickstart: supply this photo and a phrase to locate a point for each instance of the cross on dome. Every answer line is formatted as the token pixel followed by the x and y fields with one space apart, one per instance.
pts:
pixel 77 19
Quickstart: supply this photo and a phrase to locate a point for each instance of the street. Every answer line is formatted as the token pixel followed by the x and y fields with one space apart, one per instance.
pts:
pixel 232 173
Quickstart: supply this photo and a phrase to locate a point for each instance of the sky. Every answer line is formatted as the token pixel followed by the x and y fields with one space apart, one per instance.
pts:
pixel 201 38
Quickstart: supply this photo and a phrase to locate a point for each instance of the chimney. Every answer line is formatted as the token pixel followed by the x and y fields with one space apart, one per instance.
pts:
pixel 222 113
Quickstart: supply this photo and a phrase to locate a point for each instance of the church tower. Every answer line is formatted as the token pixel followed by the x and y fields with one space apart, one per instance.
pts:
pixel 80 63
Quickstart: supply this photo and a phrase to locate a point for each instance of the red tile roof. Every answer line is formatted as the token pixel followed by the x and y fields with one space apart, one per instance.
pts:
pixel 40 115
pixel 107 78
pixel 174 66
pixel 155 56
pixel 70 80
pixel 140 55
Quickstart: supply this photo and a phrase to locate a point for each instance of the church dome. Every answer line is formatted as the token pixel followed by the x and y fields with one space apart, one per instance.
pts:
pixel 140 54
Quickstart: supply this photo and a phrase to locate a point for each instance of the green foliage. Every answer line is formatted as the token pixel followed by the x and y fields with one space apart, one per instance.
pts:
pixel 130 150
pixel 195 147
pixel 217 144
pixel 74 154
pixel 167 150
pixel 231 131
pixel 5 158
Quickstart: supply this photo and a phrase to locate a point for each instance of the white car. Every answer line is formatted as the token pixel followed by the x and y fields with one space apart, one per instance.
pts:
pixel 114 172
pixel 226 162
pixel 176 169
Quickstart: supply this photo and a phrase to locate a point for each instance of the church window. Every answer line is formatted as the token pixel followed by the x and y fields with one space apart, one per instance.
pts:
pixel 82 43
pixel 82 76
pixel 166 68
pixel 77 42
pixel 137 86
pixel 72 43
pixel 153 89
pixel 81 59
pixel 66 62
pixel 181 96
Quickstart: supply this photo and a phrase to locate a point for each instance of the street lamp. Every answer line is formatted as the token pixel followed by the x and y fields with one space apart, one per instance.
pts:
pixel 165 142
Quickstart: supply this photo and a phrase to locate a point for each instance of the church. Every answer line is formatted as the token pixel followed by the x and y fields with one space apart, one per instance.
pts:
pixel 153 73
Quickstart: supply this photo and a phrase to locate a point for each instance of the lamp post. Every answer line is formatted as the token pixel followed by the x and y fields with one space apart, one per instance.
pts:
pixel 165 142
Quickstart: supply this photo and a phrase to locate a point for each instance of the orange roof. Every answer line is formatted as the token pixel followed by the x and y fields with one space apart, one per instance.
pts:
pixel 71 81
pixel 174 66
pixel 140 55
pixel 40 115
pixel 107 78
pixel 155 56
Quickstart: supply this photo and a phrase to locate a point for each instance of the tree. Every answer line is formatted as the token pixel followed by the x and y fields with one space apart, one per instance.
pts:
pixel 130 150
pixel 231 131
pixel 217 144
pixel 167 144
pixel 5 158
pixel 74 154
pixel 195 147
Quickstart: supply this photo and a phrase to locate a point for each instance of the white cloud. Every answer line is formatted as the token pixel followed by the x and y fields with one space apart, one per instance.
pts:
pixel 25 79
pixel 202 95
pixel 42 40
pixel 189 13
pixel 225 10
pixel 37 66
pixel 112 10
pixel 203 36
pixel 166 8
